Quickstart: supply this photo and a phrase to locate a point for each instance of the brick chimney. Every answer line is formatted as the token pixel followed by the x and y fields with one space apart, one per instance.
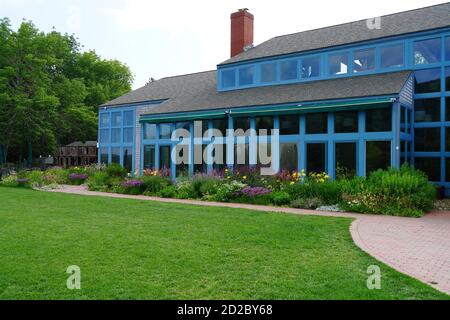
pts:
pixel 241 31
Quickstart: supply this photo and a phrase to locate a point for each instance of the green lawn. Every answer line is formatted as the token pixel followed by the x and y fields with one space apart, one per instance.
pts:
pixel 129 249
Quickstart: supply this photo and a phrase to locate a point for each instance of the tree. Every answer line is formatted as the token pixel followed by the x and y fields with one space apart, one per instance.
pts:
pixel 50 90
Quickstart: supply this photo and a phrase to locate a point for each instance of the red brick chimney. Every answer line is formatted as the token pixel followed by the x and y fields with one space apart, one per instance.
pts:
pixel 241 31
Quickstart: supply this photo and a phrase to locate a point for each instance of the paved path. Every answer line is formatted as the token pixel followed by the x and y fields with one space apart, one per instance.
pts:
pixel 417 247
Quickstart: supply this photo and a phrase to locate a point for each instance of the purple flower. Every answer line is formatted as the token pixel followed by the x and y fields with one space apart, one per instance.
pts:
pixel 78 176
pixel 132 183
pixel 255 191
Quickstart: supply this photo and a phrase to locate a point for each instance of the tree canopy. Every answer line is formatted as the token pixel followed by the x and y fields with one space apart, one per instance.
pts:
pixel 50 90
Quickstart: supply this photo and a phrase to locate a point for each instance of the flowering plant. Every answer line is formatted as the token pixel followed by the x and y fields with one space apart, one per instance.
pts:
pixel 132 183
pixel 78 176
pixel 255 191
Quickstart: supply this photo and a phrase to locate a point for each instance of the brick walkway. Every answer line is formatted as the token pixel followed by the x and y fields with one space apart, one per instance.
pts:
pixel 417 247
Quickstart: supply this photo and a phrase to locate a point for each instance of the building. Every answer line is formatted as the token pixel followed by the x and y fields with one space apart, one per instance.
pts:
pixel 348 98
pixel 77 154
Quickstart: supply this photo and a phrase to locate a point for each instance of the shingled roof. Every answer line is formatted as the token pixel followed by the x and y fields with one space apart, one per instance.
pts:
pixel 197 92
pixel 429 18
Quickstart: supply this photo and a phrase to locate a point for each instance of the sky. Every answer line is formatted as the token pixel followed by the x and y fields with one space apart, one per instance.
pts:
pixel 172 37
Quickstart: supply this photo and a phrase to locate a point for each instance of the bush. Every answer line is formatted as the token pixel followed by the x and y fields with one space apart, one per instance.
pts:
pixel 134 187
pixel 226 191
pixel 154 184
pixel 116 170
pixel 328 192
pixel 280 198
pixel 307 203
pixel 167 192
pixel 98 181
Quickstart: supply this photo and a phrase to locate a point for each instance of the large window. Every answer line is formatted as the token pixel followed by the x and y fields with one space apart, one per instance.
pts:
pixel 164 157
pixel 310 67
pixel 428 80
pixel 228 78
pixel 427 110
pixel 430 166
pixel 346 159
pixel 182 160
pixel 128 158
pixel 346 121
pixel 427 139
pixel 149 131
pixel 221 126
pixel 316 123
pixel 104 136
pixel 288 70
pixel 116 119
pixel 241 126
pixel 128 135
pixel 364 60
pixel 200 165
pixel 378 155
pixel 447 50
pixel 338 64
pixel 149 157
pixel 104 155
pixel 392 56
pixel 219 155
pixel 289 124
pixel 268 72
pixel 115 155
pixel 264 155
pixel 165 131
pixel 104 120
pixel 288 157
pixel 264 125
pixel 115 135
pixel 241 155
pixel 246 76
pixel 128 118
pixel 316 157
pixel 447 79
pixel 378 120
pixel 427 51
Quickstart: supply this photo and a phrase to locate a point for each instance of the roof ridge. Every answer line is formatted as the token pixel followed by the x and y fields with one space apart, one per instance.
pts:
pixel 185 75
pixel 345 23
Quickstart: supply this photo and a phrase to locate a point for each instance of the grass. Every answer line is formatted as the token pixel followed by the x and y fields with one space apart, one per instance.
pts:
pixel 129 249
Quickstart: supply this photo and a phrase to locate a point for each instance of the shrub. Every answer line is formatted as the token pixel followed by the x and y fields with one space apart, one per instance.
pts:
pixel 168 192
pixel 77 178
pixel 23 182
pixel 154 184
pixel 255 191
pixel 280 198
pixel 307 203
pixel 185 189
pixel 98 181
pixel 116 170
pixel 226 191
pixel 329 192
pixel 133 187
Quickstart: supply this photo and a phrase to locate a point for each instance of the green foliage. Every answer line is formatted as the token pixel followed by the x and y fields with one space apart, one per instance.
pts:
pixel 307 203
pixel 116 170
pixel 328 192
pixel 280 198
pixel 154 184
pixel 98 181
pixel 50 90
pixel 168 192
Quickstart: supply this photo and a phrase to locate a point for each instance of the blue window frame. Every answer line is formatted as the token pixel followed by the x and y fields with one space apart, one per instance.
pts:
pixel 128 135
pixel 165 130
pixel 430 166
pixel 229 78
pixel 428 80
pixel 246 76
pixel 288 70
pixel 447 48
pixel 364 60
pixel 268 72
pixel 310 67
pixel 115 155
pixel 393 56
pixel 427 139
pixel 427 51
pixel 104 120
pixel 116 135
pixel 150 131
pixel 128 158
pixel 149 157
pixel 338 64
pixel 128 118
pixel 116 119
pixel 103 155
pixel 104 136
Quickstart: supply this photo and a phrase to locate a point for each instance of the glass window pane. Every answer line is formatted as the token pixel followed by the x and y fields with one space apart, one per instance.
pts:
pixel 128 135
pixel 378 155
pixel 104 120
pixel 264 155
pixel 228 78
pixel 346 159
pixel 241 155
pixel 315 157
pixel 447 109
pixel 288 70
pixel 316 123
pixel 149 157
pixel 378 120
pixel 165 131
pixel 246 76
pixel 116 135
pixel 290 124
pixel 104 135
pixel 183 126
pixel 364 60
pixel 427 110
pixel 200 164
pixel 164 157
pixel 116 119
pixel 447 48
pixel 182 166
pixel 447 169
pixel 430 166
pixel 427 139
pixel 268 72
pixel 150 131
pixel 447 139
pixel 447 79
pixel 288 157
pixel 427 51
pixel 311 67
pixel 346 121
pixel 221 125
pixel 392 56
pixel 103 155
pixel 128 118
pixel 338 64
pixel 115 155
pixel 128 159
pixel 242 126
pixel 428 80
pixel 220 157
pixel 264 125
pixel 200 128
